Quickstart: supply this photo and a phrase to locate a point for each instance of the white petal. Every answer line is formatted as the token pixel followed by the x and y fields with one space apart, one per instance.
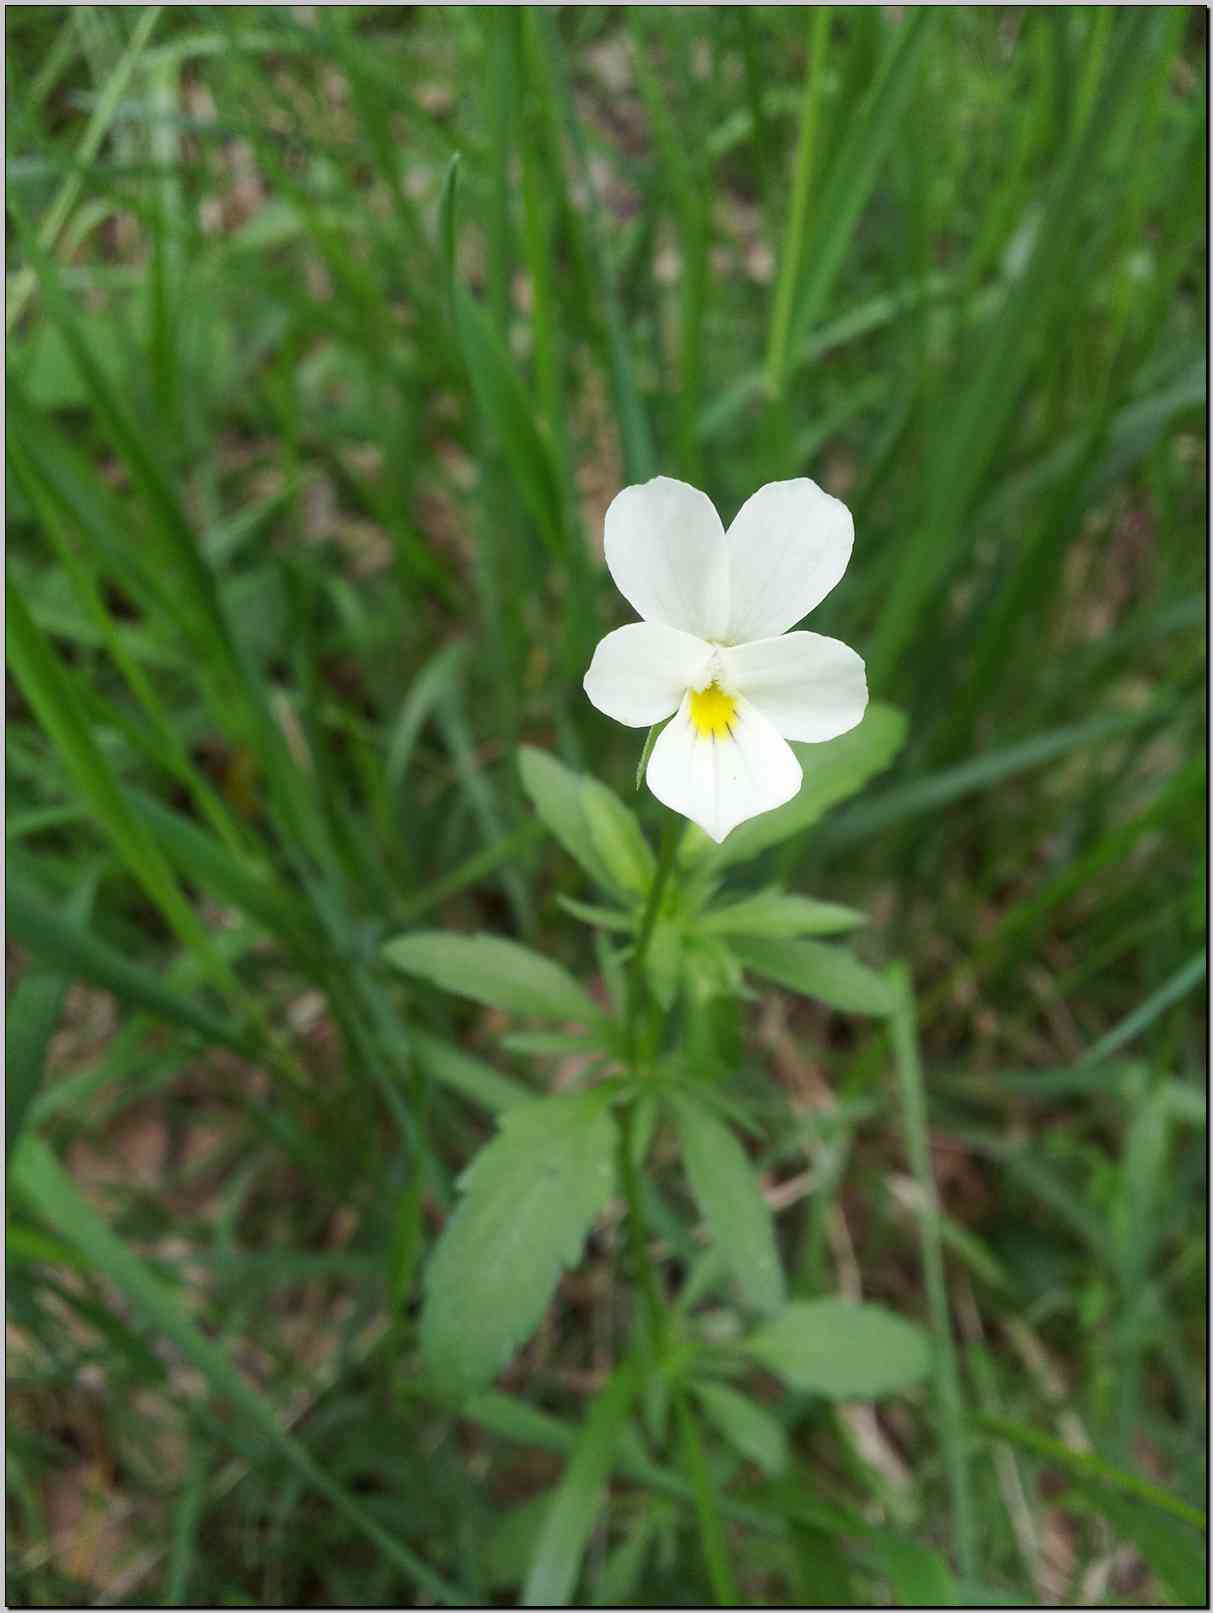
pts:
pixel 788 546
pixel 639 673
pixel 719 783
pixel 665 548
pixel 806 686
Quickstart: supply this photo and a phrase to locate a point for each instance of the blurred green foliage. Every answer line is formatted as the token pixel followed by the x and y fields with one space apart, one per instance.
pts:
pixel 310 434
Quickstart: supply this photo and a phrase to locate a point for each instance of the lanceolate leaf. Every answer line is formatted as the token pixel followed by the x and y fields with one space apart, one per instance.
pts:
pixel 617 838
pixel 727 1192
pixel 748 1427
pixel 570 1519
pixel 846 1351
pixel 828 973
pixel 528 1201
pixel 775 915
pixel 500 974
pixel 555 792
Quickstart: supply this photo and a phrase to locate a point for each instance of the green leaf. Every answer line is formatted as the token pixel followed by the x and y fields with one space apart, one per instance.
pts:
pixel 528 1201
pixel 452 1067
pixel 829 974
pixel 773 914
pixel 731 1202
pixel 832 772
pixel 617 838
pixel 603 918
pixel 920 1577
pixel 511 1542
pixel 555 792
pixel 843 1350
pixel 751 1430
pixel 707 1505
pixel 574 1509
pixel 500 974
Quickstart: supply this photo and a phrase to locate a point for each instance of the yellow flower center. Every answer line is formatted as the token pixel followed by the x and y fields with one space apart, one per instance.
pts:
pixel 712 711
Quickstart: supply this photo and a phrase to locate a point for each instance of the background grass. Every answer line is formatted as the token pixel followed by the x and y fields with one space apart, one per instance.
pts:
pixel 309 441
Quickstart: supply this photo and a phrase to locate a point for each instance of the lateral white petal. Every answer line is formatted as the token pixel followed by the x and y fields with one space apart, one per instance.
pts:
pixel 639 673
pixel 720 782
pixel 665 547
pixel 788 546
pixel 807 686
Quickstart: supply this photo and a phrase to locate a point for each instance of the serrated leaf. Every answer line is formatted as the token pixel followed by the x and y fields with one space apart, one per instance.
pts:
pixel 555 793
pixel 489 970
pixel 829 974
pixel 528 1201
pixel 758 1436
pixel 775 915
pixel 846 1351
pixel 729 1198
pixel 832 772
pixel 617 838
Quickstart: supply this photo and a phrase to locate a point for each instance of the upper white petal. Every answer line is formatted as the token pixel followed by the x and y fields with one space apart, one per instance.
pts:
pixel 719 783
pixel 807 686
pixel 639 673
pixel 665 547
pixel 788 546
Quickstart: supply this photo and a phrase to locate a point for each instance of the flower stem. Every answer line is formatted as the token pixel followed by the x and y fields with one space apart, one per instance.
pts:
pixel 648 923
pixel 636 1233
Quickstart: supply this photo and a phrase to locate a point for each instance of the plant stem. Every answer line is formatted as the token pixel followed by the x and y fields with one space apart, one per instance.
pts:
pixel 644 1272
pixel 637 1233
pixel 648 923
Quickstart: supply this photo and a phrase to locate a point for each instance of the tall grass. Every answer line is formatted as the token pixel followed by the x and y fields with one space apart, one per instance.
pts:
pixel 332 331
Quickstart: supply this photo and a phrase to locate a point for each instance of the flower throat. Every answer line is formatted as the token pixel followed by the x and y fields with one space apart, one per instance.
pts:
pixel 712 711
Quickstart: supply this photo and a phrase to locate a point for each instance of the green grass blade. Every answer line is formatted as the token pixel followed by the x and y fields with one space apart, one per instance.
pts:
pixel 39 1177
pixel 54 697
pixel 38 923
pixel 1180 984
pixel 947 1375
pixel 1091 1469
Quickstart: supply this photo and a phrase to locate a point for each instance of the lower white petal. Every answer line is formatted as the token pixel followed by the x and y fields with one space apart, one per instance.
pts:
pixel 718 781
pixel 808 687
pixel 639 673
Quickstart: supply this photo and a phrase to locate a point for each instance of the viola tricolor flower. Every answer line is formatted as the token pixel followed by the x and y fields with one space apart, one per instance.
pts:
pixel 713 650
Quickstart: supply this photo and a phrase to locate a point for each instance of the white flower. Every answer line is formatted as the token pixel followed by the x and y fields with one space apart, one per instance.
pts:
pixel 713 649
